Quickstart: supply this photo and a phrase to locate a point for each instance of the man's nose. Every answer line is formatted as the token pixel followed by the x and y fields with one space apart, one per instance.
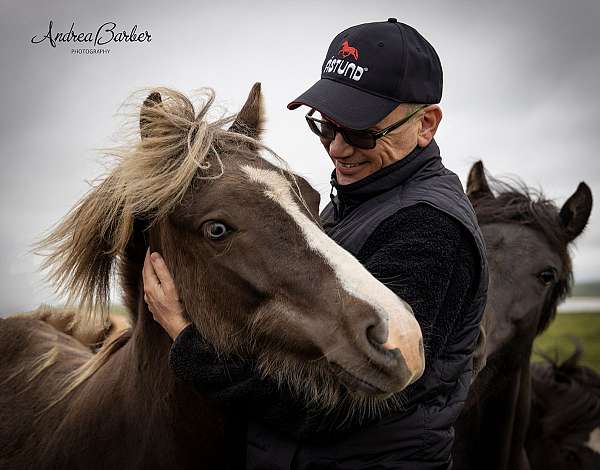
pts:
pixel 339 148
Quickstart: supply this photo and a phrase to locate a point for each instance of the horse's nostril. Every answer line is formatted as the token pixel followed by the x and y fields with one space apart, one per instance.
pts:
pixel 377 334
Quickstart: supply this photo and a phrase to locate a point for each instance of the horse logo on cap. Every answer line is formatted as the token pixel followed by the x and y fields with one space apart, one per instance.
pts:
pixel 347 50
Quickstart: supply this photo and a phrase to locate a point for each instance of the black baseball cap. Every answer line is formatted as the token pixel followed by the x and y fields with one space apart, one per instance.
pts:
pixel 370 69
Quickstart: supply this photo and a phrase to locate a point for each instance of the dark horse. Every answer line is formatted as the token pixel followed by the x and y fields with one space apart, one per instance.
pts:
pixel 258 278
pixel 564 430
pixel 527 239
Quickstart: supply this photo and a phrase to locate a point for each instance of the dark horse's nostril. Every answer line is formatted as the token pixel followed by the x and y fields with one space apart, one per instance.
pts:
pixel 377 334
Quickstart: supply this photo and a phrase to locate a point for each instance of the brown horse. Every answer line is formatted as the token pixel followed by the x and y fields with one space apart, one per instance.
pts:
pixel 255 272
pixel 527 239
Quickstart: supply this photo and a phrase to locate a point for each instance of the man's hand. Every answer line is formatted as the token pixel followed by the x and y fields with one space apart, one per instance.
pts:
pixel 160 293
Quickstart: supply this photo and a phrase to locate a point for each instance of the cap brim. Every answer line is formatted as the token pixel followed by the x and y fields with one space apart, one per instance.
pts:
pixel 345 105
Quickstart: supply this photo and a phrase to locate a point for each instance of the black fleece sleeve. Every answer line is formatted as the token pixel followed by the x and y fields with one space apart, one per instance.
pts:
pixel 427 258
pixel 228 380
pixel 235 384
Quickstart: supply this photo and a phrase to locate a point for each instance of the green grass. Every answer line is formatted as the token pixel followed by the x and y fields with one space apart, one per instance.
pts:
pixel 586 289
pixel 557 338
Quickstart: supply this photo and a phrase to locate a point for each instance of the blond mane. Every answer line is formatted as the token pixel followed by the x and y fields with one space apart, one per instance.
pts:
pixel 149 176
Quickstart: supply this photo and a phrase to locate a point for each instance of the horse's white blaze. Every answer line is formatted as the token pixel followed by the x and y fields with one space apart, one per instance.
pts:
pixel 404 330
pixel 593 441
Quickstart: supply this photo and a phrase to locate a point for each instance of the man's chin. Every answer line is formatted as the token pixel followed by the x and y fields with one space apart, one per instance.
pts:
pixel 345 178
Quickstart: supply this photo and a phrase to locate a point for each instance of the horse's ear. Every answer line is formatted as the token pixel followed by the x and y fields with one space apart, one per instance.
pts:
pixel 250 119
pixel 152 100
pixel 477 184
pixel 575 213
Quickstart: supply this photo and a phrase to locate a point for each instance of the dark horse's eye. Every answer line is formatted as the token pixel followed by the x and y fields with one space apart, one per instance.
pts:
pixel 548 276
pixel 215 230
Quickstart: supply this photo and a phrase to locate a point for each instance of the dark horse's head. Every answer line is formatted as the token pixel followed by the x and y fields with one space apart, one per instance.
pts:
pixel 241 236
pixel 564 432
pixel 527 239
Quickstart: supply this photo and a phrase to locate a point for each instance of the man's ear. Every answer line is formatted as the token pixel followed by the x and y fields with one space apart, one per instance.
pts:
pixel 250 119
pixel 430 120
pixel 146 113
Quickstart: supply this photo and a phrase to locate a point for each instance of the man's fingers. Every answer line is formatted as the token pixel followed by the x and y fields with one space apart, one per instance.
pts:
pixel 151 281
pixel 145 267
pixel 163 273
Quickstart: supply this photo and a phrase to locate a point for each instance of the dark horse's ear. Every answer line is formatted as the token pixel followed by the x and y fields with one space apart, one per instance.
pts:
pixel 477 184
pixel 575 213
pixel 249 120
pixel 153 99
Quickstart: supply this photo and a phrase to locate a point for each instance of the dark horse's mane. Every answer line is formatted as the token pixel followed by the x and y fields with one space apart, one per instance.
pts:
pixel 515 202
pixel 568 392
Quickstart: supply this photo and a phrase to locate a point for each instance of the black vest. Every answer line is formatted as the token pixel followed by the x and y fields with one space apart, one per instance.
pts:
pixel 435 400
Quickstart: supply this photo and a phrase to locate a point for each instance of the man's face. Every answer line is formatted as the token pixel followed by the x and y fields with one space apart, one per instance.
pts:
pixel 353 164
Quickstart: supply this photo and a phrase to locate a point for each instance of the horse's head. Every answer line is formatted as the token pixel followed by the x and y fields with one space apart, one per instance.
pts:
pixel 259 278
pixel 257 275
pixel 527 239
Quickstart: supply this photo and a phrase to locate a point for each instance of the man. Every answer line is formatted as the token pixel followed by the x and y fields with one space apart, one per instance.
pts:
pixel 407 220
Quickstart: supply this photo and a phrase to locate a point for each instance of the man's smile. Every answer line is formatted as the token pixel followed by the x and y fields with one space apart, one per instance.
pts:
pixel 348 171
pixel 350 165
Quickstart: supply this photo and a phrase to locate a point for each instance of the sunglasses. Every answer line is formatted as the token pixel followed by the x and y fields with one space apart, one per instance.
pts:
pixel 365 139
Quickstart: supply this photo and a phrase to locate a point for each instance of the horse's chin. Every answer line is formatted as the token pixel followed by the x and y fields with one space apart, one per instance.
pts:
pixel 360 387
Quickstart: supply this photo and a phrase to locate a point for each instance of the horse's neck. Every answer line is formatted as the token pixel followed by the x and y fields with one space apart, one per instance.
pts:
pixel 149 345
pixel 506 420
pixel 507 389
pixel 137 374
pixel 195 423
pixel 130 266
pixel 144 359
pixel 505 414
pixel 132 413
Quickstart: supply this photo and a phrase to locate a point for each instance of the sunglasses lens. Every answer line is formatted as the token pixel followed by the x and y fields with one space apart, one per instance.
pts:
pixel 362 140
pixel 322 129
pixel 327 131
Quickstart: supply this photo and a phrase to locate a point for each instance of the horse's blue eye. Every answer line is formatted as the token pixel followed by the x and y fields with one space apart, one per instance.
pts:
pixel 214 230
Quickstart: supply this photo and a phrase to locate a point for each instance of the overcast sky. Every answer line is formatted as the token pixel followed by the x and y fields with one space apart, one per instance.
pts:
pixel 520 93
